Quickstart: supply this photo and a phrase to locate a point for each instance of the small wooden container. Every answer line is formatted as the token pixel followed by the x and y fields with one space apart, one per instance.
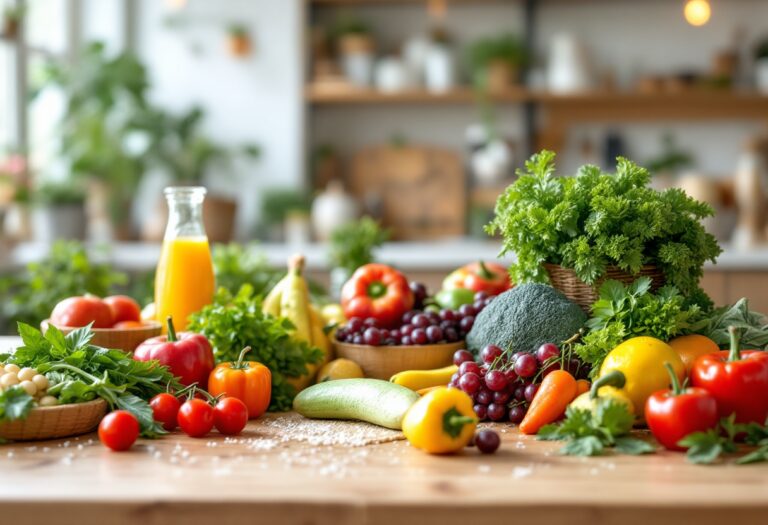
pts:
pixel 56 422
pixel 382 362
pixel 125 339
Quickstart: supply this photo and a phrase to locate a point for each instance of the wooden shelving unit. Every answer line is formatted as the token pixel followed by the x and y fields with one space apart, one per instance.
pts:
pixel 320 95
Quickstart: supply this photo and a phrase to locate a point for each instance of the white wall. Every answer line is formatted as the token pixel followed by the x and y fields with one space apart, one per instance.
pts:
pixel 257 99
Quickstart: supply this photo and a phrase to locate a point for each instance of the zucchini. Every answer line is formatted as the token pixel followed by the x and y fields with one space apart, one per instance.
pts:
pixel 372 400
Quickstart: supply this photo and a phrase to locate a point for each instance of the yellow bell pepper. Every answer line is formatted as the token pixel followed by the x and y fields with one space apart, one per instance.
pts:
pixel 419 379
pixel 636 367
pixel 441 422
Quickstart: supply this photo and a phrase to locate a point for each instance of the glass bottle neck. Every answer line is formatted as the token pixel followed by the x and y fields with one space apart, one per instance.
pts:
pixel 185 212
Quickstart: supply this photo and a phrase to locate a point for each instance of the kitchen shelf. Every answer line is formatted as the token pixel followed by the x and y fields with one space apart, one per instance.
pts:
pixel 342 3
pixel 319 95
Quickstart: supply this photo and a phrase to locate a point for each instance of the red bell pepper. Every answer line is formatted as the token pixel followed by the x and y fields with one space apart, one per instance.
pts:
pixel 377 291
pixel 673 414
pixel 738 380
pixel 189 356
pixel 491 278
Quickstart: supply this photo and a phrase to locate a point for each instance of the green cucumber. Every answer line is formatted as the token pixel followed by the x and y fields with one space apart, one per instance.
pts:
pixel 372 400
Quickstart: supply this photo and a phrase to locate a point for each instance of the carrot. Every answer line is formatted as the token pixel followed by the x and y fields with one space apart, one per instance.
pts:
pixel 582 385
pixel 557 390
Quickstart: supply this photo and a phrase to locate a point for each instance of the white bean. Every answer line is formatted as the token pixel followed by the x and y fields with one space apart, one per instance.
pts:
pixel 26 374
pixel 9 380
pixel 29 386
pixel 41 382
pixel 10 367
pixel 48 401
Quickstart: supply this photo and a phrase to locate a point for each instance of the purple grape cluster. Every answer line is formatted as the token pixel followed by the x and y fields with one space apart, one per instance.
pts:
pixel 418 327
pixel 502 387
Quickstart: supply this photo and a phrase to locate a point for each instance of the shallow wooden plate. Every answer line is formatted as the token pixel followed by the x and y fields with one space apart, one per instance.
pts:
pixel 382 362
pixel 56 422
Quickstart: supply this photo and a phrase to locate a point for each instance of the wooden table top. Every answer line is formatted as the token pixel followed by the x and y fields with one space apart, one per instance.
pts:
pixel 250 479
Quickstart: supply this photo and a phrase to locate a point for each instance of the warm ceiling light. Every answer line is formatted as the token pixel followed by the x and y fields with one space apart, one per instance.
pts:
pixel 697 12
pixel 176 4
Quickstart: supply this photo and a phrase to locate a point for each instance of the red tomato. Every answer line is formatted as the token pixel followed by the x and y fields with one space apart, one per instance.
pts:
pixel 196 417
pixel 165 410
pixel 119 430
pixel 80 311
pixel 230 416
pixel 123 308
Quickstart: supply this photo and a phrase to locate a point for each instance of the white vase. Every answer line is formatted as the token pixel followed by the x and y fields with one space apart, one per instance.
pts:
pixel 440 69
pixel 568 70
pixel 761 75
pixel 415 53
pixel 331 209
pixel 358 68
pixel 391 75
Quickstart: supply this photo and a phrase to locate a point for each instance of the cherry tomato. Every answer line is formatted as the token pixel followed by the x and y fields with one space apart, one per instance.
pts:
pixel 196 417
pixel 119 430
pixel 79 311
pixel 123 308
pixel 165 410
pixel 230 416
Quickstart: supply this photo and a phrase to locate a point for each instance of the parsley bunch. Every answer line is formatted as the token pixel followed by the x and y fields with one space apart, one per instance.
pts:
pixel 233 322
pixel 594 220
pixel 590 432
pixel 79 371
pixel 624 311
pixel 707 447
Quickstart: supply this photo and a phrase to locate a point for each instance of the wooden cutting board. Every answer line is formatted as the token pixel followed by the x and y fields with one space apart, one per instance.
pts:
pixel 421 190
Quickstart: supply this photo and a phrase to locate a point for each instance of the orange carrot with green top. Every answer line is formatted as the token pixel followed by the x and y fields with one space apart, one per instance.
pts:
pixel 557 390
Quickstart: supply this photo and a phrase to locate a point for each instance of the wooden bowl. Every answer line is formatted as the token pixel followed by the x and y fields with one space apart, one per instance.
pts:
pixel 382 362
pixel 56 422
pixel 125 339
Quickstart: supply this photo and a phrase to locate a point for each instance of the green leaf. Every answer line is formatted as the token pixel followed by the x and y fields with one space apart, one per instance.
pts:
pixel 703 447
pixel 583 446
pixel 15 404
pixel 613 417
pixel 143 413
pixel 633 446
pixel 756 456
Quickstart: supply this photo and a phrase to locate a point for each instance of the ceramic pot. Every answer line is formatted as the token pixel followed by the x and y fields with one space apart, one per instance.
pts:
pixel 331 209
pixel 568 70
pixel 60 222
pixel 357 59
pixel 440 69
pixel 501 76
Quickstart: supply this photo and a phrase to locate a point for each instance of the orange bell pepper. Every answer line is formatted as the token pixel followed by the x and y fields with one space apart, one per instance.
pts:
pixel 248 381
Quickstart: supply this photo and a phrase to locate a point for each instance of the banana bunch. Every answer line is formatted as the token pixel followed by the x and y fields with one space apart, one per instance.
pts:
pixel 289 299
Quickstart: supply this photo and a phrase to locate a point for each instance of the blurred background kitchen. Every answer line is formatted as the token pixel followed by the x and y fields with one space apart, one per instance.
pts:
pixel 301 117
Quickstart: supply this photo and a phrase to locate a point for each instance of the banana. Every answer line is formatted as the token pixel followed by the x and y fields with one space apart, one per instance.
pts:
pixel 294 301
pixel 271 304
pixel 289 299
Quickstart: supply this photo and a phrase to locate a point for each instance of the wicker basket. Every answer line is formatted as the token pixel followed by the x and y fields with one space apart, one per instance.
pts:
pixel 125 339
pixel 56 422
pixel 382 362
pixel 583 294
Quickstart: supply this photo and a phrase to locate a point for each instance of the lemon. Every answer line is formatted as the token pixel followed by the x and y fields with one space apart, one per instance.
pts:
pixel 339 369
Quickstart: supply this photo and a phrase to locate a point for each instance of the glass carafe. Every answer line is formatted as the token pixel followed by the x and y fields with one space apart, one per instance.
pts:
pixel 184 282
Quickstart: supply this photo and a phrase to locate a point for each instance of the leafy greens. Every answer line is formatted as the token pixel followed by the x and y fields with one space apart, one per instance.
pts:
pixel 233 322
pixel 623 311
pixel 79 371
pixel 594 220
pixel 753 324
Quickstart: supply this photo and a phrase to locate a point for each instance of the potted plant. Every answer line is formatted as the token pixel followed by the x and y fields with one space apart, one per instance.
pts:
pixel 59 212
pixel 277 206
pixel 761 66
pixel 12 19
pixel 104 96
pixel 350 247
pixel 577 231
pixel 496 62
pixel 238 41
pixel 355 45
pixel 184 154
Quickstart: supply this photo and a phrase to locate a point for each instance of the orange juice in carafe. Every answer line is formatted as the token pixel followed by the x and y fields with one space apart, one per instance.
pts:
pixel 184 282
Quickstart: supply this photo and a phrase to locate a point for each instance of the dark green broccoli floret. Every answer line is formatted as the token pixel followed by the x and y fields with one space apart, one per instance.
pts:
pixel 525 317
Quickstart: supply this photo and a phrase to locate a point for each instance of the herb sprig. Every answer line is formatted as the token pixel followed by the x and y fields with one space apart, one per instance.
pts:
pixel 707 447
pixel 591 432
